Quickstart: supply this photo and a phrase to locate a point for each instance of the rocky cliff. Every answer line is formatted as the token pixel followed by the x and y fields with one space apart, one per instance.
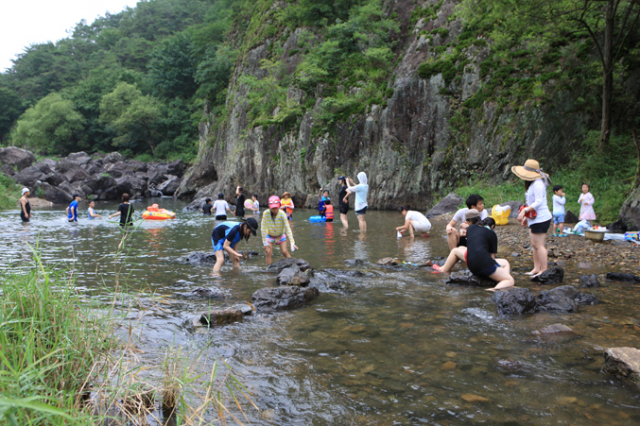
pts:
pixel 406 145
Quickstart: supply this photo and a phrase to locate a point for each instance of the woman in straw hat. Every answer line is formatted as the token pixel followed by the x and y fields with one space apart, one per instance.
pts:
pixel 536 213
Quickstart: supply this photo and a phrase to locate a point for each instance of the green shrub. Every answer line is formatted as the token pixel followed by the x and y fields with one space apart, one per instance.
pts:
pixel 9 193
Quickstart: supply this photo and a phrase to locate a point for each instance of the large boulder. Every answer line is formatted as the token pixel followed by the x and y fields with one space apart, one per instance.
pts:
pixel 195 205
pixel 156 173
pixel 617 227
pixel 113 157
pixel 623 362
pixel 56 194
pixel 131 185
pixel 630 211
pixel 293 276
pixel 516 301
pixel 46 166
pixel 176 168
pixel 81 158
pixel 448 204
pixel 29 176
pixel 169 186
pixel 334 280
pixel 566 298
pixel 469 279
pixel 55 179
pixel 288 262
pixel 66 164
pixel 101 183
pixel 279 298
pixel 138 166
pixel 76 175
pixel 118 169
pixel 569 217
pixel 553 275
pixel 16 158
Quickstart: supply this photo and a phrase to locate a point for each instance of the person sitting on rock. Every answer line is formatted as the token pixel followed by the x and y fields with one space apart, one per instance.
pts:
pixel 226 236
pixel 414 221
pixel 457 238
pixel 480 253
pixel 275 229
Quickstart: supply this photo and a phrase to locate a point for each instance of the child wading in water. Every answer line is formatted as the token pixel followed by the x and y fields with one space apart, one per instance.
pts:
pixel 226 236
pixel 286 204
pixel 327 210
pixel 275 229
pixel 559 201
pixel 586 201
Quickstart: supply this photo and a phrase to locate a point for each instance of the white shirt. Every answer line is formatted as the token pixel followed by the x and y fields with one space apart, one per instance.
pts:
pixel 558 204
pixel 536 198
pixel 417 216
pixel 256 204
pixel 459 216
pixel 221 207
pixel 361 191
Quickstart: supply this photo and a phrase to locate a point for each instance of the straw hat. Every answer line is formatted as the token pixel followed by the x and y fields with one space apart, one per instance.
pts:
pixel 285 195
pixel 530 171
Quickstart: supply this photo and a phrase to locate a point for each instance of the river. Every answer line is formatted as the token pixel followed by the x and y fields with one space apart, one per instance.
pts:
pixel 401 349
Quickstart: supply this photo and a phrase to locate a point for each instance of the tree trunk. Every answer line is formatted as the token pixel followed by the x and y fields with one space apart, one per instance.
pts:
pixel 607 69
pixel 634 132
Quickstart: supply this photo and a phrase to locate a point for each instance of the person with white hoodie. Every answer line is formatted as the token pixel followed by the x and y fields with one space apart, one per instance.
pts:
pixel 361 190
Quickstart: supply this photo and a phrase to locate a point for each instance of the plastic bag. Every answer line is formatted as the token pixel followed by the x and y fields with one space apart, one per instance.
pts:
pixel 581 226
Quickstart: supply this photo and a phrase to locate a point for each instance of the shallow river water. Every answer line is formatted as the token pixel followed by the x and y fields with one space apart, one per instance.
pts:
pixel 401 348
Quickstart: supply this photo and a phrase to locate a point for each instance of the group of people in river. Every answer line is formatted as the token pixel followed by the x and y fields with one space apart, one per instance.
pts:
pixel 470 233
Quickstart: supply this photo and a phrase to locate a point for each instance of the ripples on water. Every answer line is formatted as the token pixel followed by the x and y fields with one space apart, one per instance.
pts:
pixel 402 349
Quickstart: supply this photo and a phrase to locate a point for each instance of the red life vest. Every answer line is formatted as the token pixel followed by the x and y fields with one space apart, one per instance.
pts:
pixel 328 211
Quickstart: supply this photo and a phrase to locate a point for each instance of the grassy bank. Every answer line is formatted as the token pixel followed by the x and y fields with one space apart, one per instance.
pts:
pixel 9 193
pixel 62 364
pixel 609 175
pixel 49 348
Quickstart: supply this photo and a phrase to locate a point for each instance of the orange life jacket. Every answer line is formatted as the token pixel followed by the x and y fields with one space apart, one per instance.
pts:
pixel 328 211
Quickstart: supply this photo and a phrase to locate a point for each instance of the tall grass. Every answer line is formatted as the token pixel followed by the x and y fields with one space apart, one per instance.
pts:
pixel 61 364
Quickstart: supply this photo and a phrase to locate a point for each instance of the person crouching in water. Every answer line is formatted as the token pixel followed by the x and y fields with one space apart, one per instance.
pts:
pixel 414 221
pixel 226 236
pixel 480 253
pixel 275 229
pixel 327 210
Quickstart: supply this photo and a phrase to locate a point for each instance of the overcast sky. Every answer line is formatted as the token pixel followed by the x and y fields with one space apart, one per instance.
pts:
pixel 26 22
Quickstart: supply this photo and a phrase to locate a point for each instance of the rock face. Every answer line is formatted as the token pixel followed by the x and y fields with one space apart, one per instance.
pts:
pixel 102 178
pixel 448 204
pixel 553 275
pixel 467 278
pixel 280 298
pixel 405 144
pixel 16 158
pixel 623 362
pixel 518 301
pixel 630 211
pixel 589 281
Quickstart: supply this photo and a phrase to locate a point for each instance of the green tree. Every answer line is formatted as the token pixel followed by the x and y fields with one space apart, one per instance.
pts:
pixel 172 67
pixel 52 126
pixel 135 117
pixel 10 109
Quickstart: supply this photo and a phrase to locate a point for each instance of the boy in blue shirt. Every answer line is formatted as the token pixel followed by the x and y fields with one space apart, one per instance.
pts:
pixel 72 210
pixel 559 201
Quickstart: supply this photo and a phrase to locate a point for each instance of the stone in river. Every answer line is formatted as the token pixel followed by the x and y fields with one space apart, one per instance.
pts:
pixel 389 261
pixel 448 204
pixel 279 298
pixel 623 362
pixel 469 397
pixel 564 299
pixel 516 301
pixel 469 279
pixel 567 400
pixel 589 281
pixel 289 261
pixel 355 262
pixel 554 275
pixel 449 365
pixel 615 276
pixel 293 276
pixel 221 317
pixel 209 293
pixel 553 329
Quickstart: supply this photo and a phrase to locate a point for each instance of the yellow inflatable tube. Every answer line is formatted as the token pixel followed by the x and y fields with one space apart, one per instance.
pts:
pixel 155 213
pixel 501 214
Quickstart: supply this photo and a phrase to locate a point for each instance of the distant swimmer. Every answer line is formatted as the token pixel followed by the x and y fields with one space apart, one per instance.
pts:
pixel 72 210
pixel 125 211
pixel 91 213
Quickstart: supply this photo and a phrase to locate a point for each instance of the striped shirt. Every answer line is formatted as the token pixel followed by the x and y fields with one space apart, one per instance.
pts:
pixel 275 227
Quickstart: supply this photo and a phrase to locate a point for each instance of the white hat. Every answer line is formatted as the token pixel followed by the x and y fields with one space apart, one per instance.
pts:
pixel 25 190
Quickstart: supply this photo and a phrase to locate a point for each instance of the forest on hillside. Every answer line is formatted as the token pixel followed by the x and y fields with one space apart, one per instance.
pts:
pixel 139 81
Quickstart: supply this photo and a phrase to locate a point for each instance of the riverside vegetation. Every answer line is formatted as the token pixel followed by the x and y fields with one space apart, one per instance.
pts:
pixel 282 78
pixel 61 363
